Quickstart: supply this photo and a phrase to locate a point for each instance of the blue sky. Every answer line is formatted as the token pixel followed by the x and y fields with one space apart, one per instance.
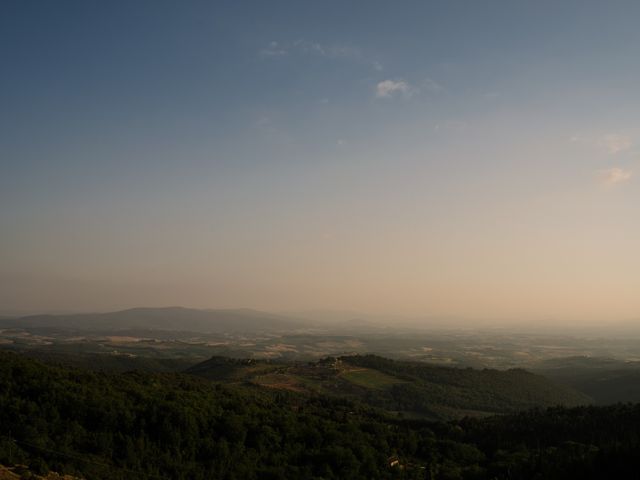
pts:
pixel 459 157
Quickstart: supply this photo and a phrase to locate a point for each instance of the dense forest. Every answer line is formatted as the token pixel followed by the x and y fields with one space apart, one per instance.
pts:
pixel 605 380
pixel 177 426
pixel 444 392
pixel 416 389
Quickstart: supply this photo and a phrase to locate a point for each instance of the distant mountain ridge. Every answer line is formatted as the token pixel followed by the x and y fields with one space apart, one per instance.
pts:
pixel 165 318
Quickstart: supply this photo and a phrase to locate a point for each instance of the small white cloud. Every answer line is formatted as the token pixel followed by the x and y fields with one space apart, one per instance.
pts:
pixel 614 176
pixel 615 143
pixel 390 88
pixel 341 142
pixel 377 66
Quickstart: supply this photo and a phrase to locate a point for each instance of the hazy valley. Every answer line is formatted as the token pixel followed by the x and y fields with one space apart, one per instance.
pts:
pixel 424 388
pixel 297 240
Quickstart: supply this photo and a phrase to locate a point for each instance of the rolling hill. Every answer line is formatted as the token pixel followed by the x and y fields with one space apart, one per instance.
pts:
pixel 121 426
pixel 412 388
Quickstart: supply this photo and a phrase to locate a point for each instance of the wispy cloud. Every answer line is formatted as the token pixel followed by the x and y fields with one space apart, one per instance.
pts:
pixel 328 51
pixel 390 88
pixel 615 143
pixel 614 176
pixel 273 50
pixel 610 143
pixel 399 87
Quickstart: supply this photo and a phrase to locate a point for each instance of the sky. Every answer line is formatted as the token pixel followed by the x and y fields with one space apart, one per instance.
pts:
pixel 418 158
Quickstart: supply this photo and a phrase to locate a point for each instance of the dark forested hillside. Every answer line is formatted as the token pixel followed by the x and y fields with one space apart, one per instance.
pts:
pixel 176 426
pixel 606 380
pixel 443 391
pixel 110 363
pixel 413 388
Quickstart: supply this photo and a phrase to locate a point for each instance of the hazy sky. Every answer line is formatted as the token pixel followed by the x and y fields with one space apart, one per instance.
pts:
pixel 471 158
